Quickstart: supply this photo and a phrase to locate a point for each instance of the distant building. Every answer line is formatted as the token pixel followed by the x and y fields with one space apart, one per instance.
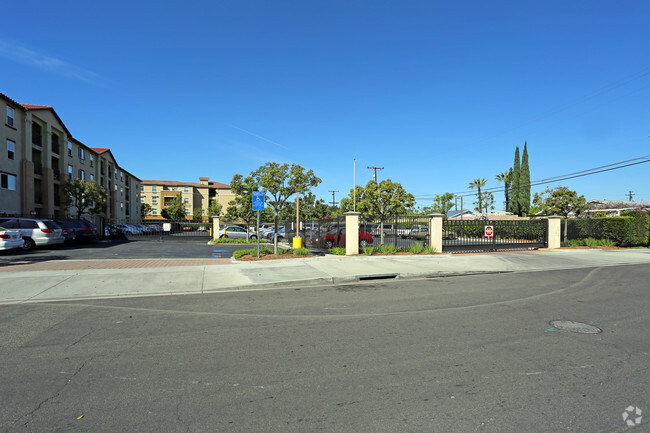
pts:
pixel 38 155
pixel 614 208
pixel 159 193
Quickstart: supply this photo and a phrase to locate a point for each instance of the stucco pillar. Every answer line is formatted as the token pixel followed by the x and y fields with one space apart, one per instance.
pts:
pixel 351 233
pixel 435 232
pixel 215 227
pixel 554 231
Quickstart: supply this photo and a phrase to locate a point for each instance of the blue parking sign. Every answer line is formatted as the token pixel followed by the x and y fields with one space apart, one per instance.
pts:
pixel 258 200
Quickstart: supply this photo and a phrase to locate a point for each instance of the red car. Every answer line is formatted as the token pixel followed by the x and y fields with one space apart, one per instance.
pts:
pixel 337 239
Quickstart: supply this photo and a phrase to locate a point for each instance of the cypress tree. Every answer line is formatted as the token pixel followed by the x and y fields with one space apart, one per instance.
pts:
pixel 524 183
pixel 514 195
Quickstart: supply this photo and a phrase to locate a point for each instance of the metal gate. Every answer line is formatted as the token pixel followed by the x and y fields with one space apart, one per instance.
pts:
pixel 153 229
pixel 470 235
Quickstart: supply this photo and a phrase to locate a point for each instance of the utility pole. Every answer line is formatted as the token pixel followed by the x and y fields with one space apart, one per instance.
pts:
pixel 630 194
pixel 333 200
pixel 375 175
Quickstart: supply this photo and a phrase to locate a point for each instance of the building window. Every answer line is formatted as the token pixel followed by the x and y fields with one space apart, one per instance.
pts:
pixel 11 149
pixel 187 189
pixel 82 154
pixel 92 177
pixel 186 200
pixel 154 211
pixel 69 170
pixel 36 134
pixel 121 191
pixel 115 173
pixel 142 188
pixel 92 161
pixel 55 144
pixel 141 199
pixel 154 199
pixel 154 188
pixel 82 175
pixel 121 175
pixel 69 148
pixel 8 181
pixel 10 116
pixel 187 211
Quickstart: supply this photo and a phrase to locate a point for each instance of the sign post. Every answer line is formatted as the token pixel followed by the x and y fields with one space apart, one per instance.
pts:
pixel 258 205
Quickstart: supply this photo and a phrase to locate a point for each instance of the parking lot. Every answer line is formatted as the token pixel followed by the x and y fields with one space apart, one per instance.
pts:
pixel 135 248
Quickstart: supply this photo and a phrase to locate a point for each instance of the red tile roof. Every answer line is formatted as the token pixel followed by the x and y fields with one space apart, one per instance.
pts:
pixel 36 107
pixel 100 150
pixel 215 185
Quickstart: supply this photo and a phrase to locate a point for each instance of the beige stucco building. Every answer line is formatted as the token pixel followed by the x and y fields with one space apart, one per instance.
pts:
pixel 38 155
pixel 158 194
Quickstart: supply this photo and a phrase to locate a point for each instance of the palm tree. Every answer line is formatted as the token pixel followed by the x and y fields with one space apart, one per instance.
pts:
pixel 506 178
pixel 479 183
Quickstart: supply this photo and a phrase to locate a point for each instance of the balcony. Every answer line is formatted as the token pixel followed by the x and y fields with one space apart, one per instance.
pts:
pixel 56 148
pixel 56 174
pixel 38 197
pixel 57 200
pixel 38 168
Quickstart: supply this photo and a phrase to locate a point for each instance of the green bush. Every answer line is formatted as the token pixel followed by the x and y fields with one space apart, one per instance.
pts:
pixel 642 223
pixel 428 250
pixel 237 241
pixel 368 250
pixel 623 230
pixel 592 243
pixel 338 251
pixel 301 252
pixel 574 243
pixel 388 249
pixel 607 243
pixel 416 248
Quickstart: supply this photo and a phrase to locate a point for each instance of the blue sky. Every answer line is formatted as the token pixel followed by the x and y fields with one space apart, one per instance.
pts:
pixel 437 93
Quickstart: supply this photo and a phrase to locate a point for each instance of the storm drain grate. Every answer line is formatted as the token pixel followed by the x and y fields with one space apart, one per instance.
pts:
pixel 377 277
pixel 577 327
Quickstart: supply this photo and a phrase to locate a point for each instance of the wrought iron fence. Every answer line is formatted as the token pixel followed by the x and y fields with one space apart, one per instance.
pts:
pixel 399 231
pixel 155 229
pixel 314 233
pixel 470 235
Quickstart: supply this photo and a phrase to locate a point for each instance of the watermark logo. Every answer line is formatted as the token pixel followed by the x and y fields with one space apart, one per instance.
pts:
pixel 632 416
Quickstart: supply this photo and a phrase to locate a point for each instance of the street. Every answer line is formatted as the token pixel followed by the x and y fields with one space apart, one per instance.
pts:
pixel 462 354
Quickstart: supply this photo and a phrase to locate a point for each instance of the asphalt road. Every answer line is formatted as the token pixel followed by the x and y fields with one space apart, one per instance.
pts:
pixel 456 354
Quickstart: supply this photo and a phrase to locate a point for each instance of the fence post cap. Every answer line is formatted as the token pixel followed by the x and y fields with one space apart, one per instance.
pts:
pixel 352 213
pixel 554 217
pixel 436 215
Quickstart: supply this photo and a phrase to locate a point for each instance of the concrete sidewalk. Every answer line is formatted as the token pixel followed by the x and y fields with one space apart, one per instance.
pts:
pixel 95 279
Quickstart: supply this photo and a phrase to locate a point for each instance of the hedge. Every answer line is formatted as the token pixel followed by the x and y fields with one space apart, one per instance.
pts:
pixel 642 223
pixel 624 230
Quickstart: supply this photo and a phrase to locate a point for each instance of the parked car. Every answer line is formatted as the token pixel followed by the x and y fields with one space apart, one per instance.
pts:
pixel 281 234
pixel 421 232
pixel 10 238
pixel 77 229
pixel 336 238
pixel 387 229
pixel 236 232
pixel 113 231
pixel 35 231
pixel 129 229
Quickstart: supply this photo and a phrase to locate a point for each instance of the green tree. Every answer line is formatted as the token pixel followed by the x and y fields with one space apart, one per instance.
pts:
pixel 482 199
pixel 198 214
pixel 84 196
pixel 382 200
pixel 281 181
pixel 175 211
pixel 214 209
pixel 443 203
pixel 560 201
pixel 514 193
pixel 506 178
pixel 145 209
pixel 242 206
pixel 524 183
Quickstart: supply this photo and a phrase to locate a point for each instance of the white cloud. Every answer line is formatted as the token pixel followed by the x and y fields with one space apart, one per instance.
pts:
pixel 25 56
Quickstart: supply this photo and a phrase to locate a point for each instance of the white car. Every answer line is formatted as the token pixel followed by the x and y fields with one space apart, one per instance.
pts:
pixel 36 231
pixel 10 239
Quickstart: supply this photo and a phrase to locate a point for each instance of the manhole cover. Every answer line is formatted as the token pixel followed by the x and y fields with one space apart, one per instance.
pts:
pixel 569 326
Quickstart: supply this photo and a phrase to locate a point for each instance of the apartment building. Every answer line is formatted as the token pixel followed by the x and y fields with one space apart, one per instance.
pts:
pixel 38 154
pixel 159 193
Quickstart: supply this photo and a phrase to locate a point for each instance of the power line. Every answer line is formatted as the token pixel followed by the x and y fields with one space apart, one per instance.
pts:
pixel 595 170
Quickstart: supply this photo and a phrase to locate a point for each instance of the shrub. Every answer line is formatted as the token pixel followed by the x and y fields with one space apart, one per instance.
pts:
pixel 301 252
pixel 237 241
pixel 338 251
pixel 428 250
pixel 388 249
pixel 368 250
pixel 416 248
pixel 240 253
pixel 574 243
pixel 642 223
pixel 621 230
pixel 592 243
pixel 607 243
